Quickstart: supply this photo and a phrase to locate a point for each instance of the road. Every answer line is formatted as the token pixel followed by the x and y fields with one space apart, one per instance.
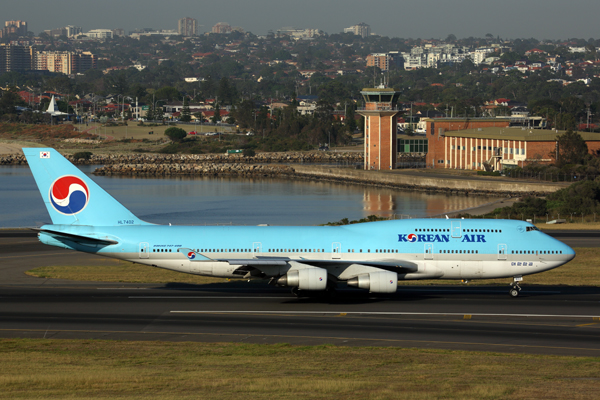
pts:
pixel 543 320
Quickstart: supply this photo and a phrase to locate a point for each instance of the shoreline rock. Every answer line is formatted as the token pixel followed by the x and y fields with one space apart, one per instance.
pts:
pixel 153 158
pixel 194 169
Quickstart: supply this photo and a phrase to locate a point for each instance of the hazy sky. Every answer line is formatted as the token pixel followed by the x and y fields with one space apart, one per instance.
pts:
pixel 541 19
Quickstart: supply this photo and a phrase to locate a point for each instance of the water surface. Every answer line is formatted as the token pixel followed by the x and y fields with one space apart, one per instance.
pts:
pixel 226 200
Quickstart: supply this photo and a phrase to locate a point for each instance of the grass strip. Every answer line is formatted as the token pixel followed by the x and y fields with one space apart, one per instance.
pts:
pixel 82 369
pixel 121 271
pixel 581 271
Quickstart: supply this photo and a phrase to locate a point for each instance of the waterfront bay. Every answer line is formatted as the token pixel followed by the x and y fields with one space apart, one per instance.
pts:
pixel 187 200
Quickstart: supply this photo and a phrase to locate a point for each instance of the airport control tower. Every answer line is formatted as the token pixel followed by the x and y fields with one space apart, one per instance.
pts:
pixel 380 127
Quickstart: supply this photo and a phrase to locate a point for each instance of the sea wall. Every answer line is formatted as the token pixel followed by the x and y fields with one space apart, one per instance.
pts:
pixel 423 182
pixel 260 158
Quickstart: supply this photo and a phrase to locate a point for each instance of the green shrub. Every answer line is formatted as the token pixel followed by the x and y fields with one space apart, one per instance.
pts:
pixel 82 155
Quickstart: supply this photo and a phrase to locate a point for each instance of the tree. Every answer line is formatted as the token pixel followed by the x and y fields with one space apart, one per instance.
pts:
pixel 570 148
pixel 9 100
pixel 167 92
pixel 350 119
pixel 185 112
pixel 159 113
pixel 217 116
pixel 176 134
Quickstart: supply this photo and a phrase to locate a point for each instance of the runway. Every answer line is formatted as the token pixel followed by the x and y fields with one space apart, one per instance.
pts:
pixel 544 320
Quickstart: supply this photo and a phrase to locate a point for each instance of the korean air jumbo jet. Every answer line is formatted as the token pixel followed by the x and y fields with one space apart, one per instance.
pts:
pixel 371 256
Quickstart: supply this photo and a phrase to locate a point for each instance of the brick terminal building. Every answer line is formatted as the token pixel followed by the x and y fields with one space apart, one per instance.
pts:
pixel 468 144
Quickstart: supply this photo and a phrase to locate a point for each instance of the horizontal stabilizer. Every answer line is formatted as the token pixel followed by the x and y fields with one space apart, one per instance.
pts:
pixel 79 238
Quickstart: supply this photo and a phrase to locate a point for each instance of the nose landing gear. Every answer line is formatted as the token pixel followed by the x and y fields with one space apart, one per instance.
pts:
pixel 515 289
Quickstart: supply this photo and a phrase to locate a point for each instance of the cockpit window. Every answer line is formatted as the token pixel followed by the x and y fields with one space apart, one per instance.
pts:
pixel 532 228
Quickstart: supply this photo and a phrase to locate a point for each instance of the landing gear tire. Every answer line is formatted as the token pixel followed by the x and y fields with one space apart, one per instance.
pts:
pixel 514 292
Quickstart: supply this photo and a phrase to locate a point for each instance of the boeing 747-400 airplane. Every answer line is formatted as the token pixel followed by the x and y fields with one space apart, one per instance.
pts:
pixel 371 256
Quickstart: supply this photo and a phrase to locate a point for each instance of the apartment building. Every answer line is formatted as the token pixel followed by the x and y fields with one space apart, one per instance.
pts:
pixel 64 62
pixel 299 33
pixel 18 28
pixel 188 27
pixel 15 58
pixel 222 27
pixel 363 30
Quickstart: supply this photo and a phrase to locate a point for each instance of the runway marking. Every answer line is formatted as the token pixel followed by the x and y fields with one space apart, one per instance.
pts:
pixel 245 335
pixel 379 313
pixel 207 297
pixel 466 316
pixel 593 323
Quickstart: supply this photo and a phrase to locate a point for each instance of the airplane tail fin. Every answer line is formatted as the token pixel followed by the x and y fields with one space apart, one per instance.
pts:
pixel 70 196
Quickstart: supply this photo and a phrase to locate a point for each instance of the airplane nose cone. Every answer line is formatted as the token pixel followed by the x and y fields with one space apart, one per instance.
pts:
pixel 566 251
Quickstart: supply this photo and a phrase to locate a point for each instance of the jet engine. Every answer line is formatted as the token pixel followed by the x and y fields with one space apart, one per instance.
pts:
pixel 376 282
pixel 305 279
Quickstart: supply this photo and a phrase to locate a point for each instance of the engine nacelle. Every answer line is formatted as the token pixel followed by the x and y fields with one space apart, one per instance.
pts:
pixel 305 279
pixel 376 282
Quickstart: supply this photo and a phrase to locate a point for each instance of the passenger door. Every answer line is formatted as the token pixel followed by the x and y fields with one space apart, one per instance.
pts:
pixel 428 251
pixel 502 251
pixel 144 250
pixel 456 229
pixel 256 249
pixel 336 250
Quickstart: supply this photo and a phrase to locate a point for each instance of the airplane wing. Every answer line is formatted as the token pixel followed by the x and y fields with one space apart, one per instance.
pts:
pixel 399 266
pixel 264 265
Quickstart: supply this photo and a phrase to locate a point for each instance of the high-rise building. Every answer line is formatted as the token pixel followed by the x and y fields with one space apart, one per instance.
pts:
pixel 65 62
pixel 14 28
pixel 362 30
pixel 15 58
pixel 188 27
pixel 73 30
pixel 379 60
pixel 68 31
pixel 221 27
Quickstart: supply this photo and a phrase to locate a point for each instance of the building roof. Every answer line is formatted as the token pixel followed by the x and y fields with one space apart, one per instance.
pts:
pixel 518 133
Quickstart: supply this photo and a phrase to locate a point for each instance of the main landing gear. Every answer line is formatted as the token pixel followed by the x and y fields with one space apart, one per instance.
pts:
pixel 515 289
